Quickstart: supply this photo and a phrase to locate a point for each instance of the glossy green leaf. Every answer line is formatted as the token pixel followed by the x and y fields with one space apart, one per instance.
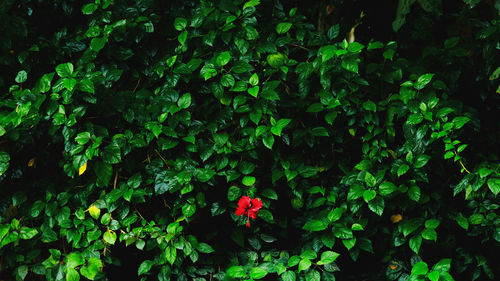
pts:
pixel 420 268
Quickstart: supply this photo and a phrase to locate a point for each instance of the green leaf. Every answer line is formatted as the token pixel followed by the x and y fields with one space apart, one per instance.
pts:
pixel 429 234
pixel 233 193
pixel 460 121
pixel 476 219
pixel 223 59
pixel 204 175
pixel 145 267
pixel 375 45
pixel 268 141
pixel 423 80
pixel 357 227
pixel 104 172
pixel 64 69
pixel 82 138
pixel 313 275
pixel 370 180
pixel 293 261
pixel 188 210
pixel 254 79
pixel 370 106
pixel 98 43
pixel 443 265
pixel 182 37
pixel 4 162
pixel 309 254
pixel 135 180
pixel 421 160
pixel 449 154
pixel 184 101
pixel 355 47
pixel 408 226
pixel 266 215
pixel 386 188
pixel 349 243
pixel 180 23
pixel 462 221
pixel 89 9
pixel 94 265
pixel 36 209
pixel 350 64
pixel 327 52
pixel 377 205
pixel 257 273
pixel 110 237
pixel 205 248
pixel 21 76
pixel 433 275
pixel 270 193
pixel 21 272
pixel 278 127
pixel 283 27
pixel 335 214
pixel 432 223
pixel 315 225
pixel 69 83
pixel 414 119
pixel 111 154
pixel 493 184
pixel 241 67
pixel 74 259
pixel 27 233
pixel 254 91
pixel 369 195
pixel 328 257
pixel 251 3
pixel 276 60
pixel 403 169
pixel 414 193
pixel 236 272
pixel 72 275
pixel 333 31
pixel 171 254
pixel 415 243
pixel 288 276
pixel 87 85
pixel 248 180
pixel 227 80
pixel 420 268
pixel 304 264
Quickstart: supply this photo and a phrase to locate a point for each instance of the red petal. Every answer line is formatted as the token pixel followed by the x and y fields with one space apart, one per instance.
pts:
pixel 256 204
pixel 248 223
pixel 240 211
pixel 244 202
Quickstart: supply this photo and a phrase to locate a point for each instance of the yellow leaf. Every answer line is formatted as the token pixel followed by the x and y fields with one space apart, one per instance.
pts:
pixel 94 211
pixel 31 163
pixel 396 218
pixel 82 169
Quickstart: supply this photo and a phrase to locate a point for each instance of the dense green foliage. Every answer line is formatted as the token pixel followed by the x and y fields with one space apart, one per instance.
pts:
pixel 130 129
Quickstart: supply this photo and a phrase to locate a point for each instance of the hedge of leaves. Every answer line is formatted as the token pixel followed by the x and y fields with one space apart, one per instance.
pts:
pixel 132 131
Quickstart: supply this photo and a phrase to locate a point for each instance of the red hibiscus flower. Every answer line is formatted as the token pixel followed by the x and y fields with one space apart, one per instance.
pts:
pixel 248 207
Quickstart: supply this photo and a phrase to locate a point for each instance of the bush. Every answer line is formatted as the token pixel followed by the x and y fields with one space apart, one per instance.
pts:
pixel 186 140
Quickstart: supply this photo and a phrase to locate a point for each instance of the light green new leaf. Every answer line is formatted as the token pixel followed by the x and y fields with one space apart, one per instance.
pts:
pixel 283 27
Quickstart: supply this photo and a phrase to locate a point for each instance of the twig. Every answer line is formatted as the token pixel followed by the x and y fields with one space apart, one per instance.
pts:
pixel 301 47
pixel 462 164
pixel 163 159
pixel 137 85
pixel 116 179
